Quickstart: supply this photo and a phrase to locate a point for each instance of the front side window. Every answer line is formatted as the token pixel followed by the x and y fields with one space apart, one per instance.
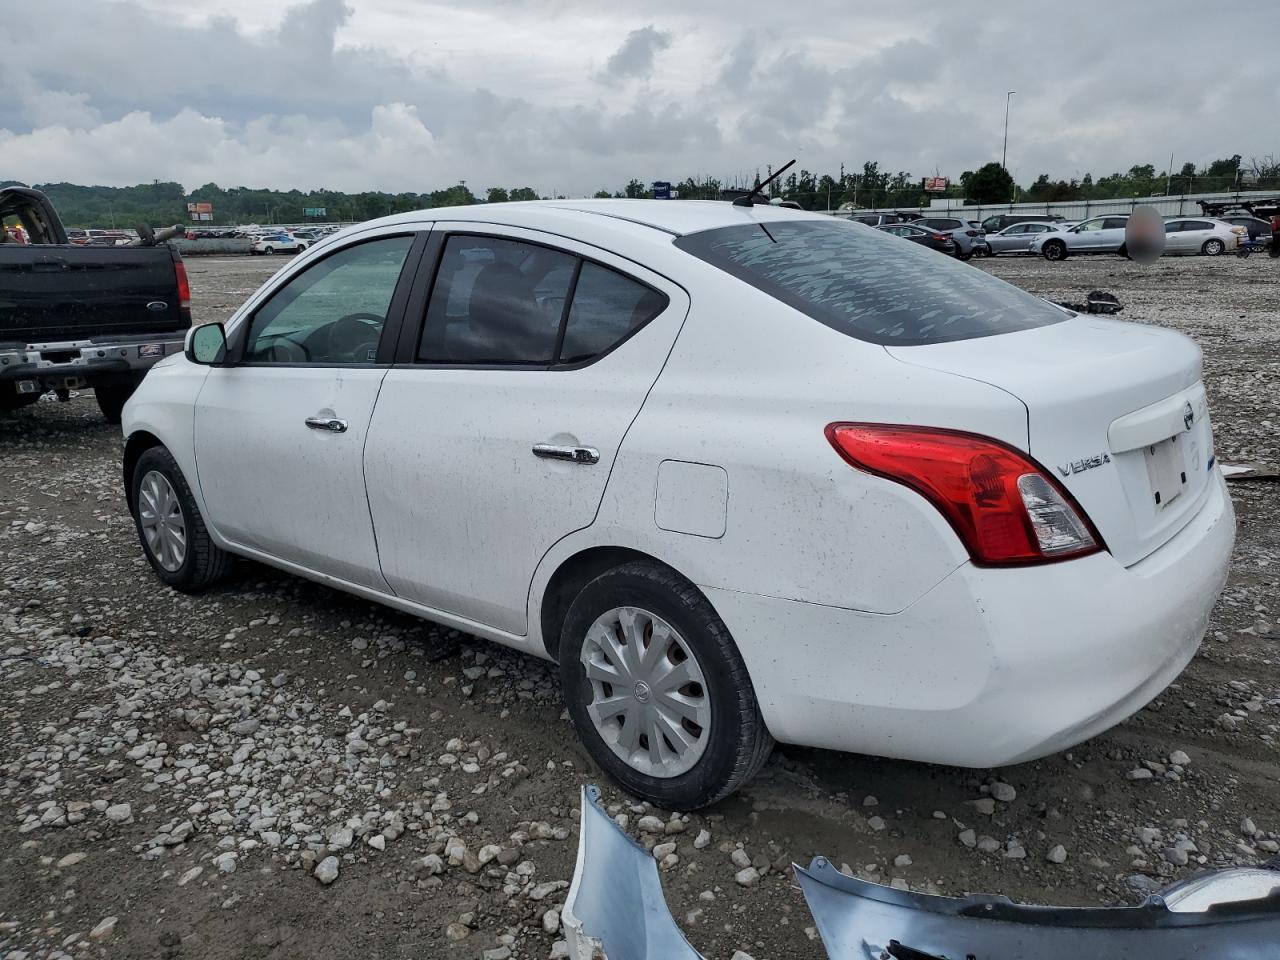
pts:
pixel 1089 226
pixel 333 312
pixel 867 286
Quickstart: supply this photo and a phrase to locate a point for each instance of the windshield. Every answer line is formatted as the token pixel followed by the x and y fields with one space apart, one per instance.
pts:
pixel 868 284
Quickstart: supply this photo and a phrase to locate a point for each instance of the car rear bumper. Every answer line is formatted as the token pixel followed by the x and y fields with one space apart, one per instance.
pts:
pixel 992 666
pixel 38 367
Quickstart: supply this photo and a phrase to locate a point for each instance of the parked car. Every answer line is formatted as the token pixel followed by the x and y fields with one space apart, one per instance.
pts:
pixel 895 572
pixel 83 315
pixel 1193 235
pixel 874 219
pixel 1017 238
pixel 969 238
pixel 932 239
pixel 998 222
pixel 279 243
pixel 1096 235
pixel 1257 228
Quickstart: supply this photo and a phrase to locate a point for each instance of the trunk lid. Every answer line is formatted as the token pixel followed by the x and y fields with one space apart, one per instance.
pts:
pixel 1115 411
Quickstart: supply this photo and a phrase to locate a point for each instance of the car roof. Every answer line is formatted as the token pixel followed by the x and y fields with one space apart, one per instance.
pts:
pixel 673 217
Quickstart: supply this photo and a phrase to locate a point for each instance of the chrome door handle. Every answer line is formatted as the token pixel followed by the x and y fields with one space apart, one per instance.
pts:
pixel 332 424
pixel 552 451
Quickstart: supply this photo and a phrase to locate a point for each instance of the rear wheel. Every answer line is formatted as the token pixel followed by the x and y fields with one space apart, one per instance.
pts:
pixel 1213 247
pixel 1124 251
pixel 170 527
pixel 657 689
pixel 1054 250
pixel 271 250
pixel 112 398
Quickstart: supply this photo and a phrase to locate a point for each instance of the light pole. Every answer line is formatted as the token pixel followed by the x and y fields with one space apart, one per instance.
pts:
pixel 1004 151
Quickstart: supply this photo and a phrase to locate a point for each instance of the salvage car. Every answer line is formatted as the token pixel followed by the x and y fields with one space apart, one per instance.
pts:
pixel 83 315
pixel 1096 235
pixel 932 239
pixel 1017 237
pixel 969 238
pixel 279 243
pixel 1201 235
pixel 745 473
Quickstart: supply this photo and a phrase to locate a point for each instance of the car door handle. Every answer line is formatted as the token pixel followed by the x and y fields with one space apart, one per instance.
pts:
pixel 332 424
pixel 554 451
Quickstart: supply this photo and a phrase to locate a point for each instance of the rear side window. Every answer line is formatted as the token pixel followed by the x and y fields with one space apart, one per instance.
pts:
pixel 1115 223
pixel 607 308
pixel 498 301
pixel 867 285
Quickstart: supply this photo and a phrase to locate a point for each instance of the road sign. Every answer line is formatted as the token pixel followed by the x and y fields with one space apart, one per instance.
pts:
pixel 314 211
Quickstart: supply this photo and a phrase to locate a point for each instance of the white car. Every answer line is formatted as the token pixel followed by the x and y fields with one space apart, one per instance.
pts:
pixel 1192 235
pixel 746 473
pixel 1096 235
pixel 279 243
pixel 1017 238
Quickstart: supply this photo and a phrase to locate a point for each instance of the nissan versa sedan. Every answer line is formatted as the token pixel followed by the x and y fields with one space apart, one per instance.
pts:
pixel 746 473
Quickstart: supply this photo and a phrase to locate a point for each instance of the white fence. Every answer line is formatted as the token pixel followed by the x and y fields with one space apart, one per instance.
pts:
pixel 1081 209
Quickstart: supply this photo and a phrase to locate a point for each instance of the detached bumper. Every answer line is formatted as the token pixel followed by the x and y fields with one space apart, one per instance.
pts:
pixel 37 367
pixel 992 666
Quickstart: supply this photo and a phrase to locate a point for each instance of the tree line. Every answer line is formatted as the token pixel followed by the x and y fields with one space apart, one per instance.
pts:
pixel 871 187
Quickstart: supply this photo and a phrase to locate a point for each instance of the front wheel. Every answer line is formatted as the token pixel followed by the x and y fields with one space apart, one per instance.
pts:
pixel 1213 247
pixel 270 250
pixel 1055 250
pixel 170 527
pixel 657 689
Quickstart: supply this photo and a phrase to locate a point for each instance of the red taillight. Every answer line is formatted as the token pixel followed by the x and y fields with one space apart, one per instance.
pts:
pixel 1003 506
pixel 941 236
pixel 184 285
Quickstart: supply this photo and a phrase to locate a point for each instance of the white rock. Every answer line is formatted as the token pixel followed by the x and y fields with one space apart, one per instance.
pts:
pixel 747 877
pixel 119 813
pixel 377 841
pixel 327 870
pixel 1058 854
pixel 1003 792
pixel 702 840
pixel 551 921
pixel 105 928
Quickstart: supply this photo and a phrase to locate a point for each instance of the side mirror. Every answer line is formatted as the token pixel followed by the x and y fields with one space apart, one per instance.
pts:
pixel 207 344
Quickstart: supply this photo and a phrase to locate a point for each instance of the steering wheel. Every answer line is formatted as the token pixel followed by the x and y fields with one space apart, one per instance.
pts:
pixel 355 336
pixel 282 349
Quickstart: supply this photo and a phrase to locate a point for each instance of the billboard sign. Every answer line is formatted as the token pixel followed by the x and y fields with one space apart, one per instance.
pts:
pixel 661 190
pixel 936 184
pixel 200 211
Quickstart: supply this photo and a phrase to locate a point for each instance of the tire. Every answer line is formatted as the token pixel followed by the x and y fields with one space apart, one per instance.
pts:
pixel 728 750
pixel 270 250
pixel 1054 250
pixel 202 563
pixel 962 256
pixel 112 398
pixel 1213 247
pixel 1124 251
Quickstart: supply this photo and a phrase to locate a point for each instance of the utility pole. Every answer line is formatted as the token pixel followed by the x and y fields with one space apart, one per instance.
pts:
pixel 1168 179
pixel 1004 151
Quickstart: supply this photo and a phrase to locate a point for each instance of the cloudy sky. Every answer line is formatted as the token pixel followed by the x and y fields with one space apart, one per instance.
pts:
pixel 573 96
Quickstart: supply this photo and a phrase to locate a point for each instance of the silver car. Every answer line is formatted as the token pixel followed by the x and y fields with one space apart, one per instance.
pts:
pixel 1096 235
pixel 969 238
pixel 1192 235
pixel 1017 238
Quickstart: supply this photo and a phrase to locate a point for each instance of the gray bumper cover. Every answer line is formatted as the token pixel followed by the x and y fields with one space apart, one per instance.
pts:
pixel 615 909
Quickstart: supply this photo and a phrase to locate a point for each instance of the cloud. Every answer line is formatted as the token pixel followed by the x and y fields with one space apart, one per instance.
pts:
pixel 418 94
pixel 634 59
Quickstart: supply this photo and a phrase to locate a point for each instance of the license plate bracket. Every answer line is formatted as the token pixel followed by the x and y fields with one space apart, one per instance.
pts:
pixel 1166 471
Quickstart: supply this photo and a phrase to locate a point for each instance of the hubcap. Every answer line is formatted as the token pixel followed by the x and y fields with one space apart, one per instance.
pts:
pixel 160 516
pixel 649 699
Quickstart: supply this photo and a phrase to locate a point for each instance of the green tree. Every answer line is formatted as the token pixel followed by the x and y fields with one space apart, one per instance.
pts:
pixel 602 194
pixel 636 190
pixel 990 183
pixel 524 193
pixel 497 195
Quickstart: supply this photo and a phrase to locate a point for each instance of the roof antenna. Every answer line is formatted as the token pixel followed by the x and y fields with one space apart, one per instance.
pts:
pixel 747 201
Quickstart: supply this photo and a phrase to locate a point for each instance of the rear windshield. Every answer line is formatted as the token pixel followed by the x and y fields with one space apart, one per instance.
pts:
pixel 869 284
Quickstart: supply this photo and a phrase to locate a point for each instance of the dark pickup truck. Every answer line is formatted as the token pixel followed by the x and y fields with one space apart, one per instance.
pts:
pixel 73 316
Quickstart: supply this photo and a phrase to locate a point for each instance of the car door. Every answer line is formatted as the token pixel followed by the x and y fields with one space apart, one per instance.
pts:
pixel 1087 236
pixel 494 435
pixel 1009 239
pixel 279 434
pixel 1175 236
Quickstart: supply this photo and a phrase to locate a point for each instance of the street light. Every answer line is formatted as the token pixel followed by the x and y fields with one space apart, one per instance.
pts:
pixel 1004 151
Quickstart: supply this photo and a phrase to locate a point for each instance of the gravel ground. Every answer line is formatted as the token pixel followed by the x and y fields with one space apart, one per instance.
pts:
pixel 276 769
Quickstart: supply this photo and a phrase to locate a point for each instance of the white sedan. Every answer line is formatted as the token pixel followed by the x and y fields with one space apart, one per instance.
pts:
pixel 745 473
pixel 1204 235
